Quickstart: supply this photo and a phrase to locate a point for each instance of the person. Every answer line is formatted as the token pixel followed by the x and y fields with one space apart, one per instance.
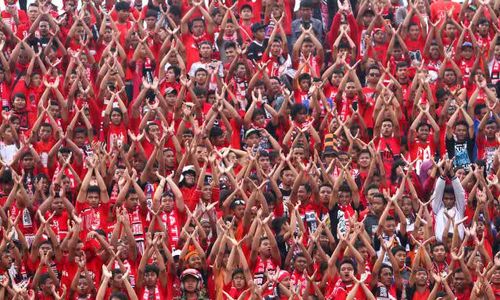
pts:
pixel 448 201
pixel 249 150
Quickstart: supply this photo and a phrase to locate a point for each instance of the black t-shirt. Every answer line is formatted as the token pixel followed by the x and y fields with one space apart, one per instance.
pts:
pixel 462 151
pixel 256 49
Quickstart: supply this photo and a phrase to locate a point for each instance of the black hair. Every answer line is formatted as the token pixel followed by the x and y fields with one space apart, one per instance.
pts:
pixel 229 44
pixel 236 272
pixel 437 244
pixel 44 277
pixel 385 266
pixel 175 10
pixel 423 123
pixel 296 109
pixel 152 268
pixel 93 189
pixel 369 187
pixel 122 5
pixel 118 295
pixel 198 19
pixel 306 4
pixel 344 187
pixel 478 108
pixel 397 249
pixel 395 165
pixel 348 261
pixel 277 223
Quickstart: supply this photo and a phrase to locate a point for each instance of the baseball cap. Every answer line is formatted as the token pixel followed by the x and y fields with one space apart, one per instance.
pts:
pixel 251 131
pixel 467 44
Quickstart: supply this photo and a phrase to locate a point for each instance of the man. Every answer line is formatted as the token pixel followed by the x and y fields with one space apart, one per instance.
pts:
pixel 448 201
pixel 306 21
pixel 259 44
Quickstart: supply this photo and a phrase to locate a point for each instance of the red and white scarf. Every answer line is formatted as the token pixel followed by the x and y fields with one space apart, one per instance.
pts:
pixel 149 296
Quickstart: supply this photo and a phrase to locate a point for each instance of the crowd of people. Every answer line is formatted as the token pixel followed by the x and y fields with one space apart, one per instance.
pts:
pixel 250 149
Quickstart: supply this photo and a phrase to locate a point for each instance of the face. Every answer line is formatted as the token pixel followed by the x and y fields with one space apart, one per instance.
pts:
pixel 239 281
pixel 449 77
pixel 93 199
pixel 325 192
pixel 45 132
pixel 201 77
pixel 205 51
pixel 439 253
pixel 459 281
pixel 194 261
pixel 230 53
pixel 150 279
pixel 350 89
pixel 189 178
pixel 377 205
pixel 300 264
pixel 495 278
pixel 490 130
pixel 421 278
pixel 364 160
pixel 336 79
pixel 265 248
pixel 132 201
pixel 402 72
pixel 150 22
pixel 6 260
pixel 414 32
pixel 82 286
pixel 467 52
pixel 239 211
pixel 345 273
pixel 47 286
pixel 44 27
pixel 32 13
pixel 28 162
pixel 387 128
pixel 389 227
pixel 423 132
pixel 252 139
pixel 57 205
pixel 260 34
pixel 276 48
pixel 307 48
pixel 434 52
pixel 154 131
pixel 386 276
pixel 169 158
pixel 406 206
pixel 378 36
pixel 190 284
pixel 401 258
pixel 461 132
pixel 450 30
pixel 306 13
pixel 198 28
pixel 344 197
pixel 298 154
pixel 288 177
pixel 373 76
pixel 246 13
pixel 19 103
pixel 116 118
pixel 123 15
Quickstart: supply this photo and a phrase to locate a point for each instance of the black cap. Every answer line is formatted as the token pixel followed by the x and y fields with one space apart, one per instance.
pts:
pixel 258 26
